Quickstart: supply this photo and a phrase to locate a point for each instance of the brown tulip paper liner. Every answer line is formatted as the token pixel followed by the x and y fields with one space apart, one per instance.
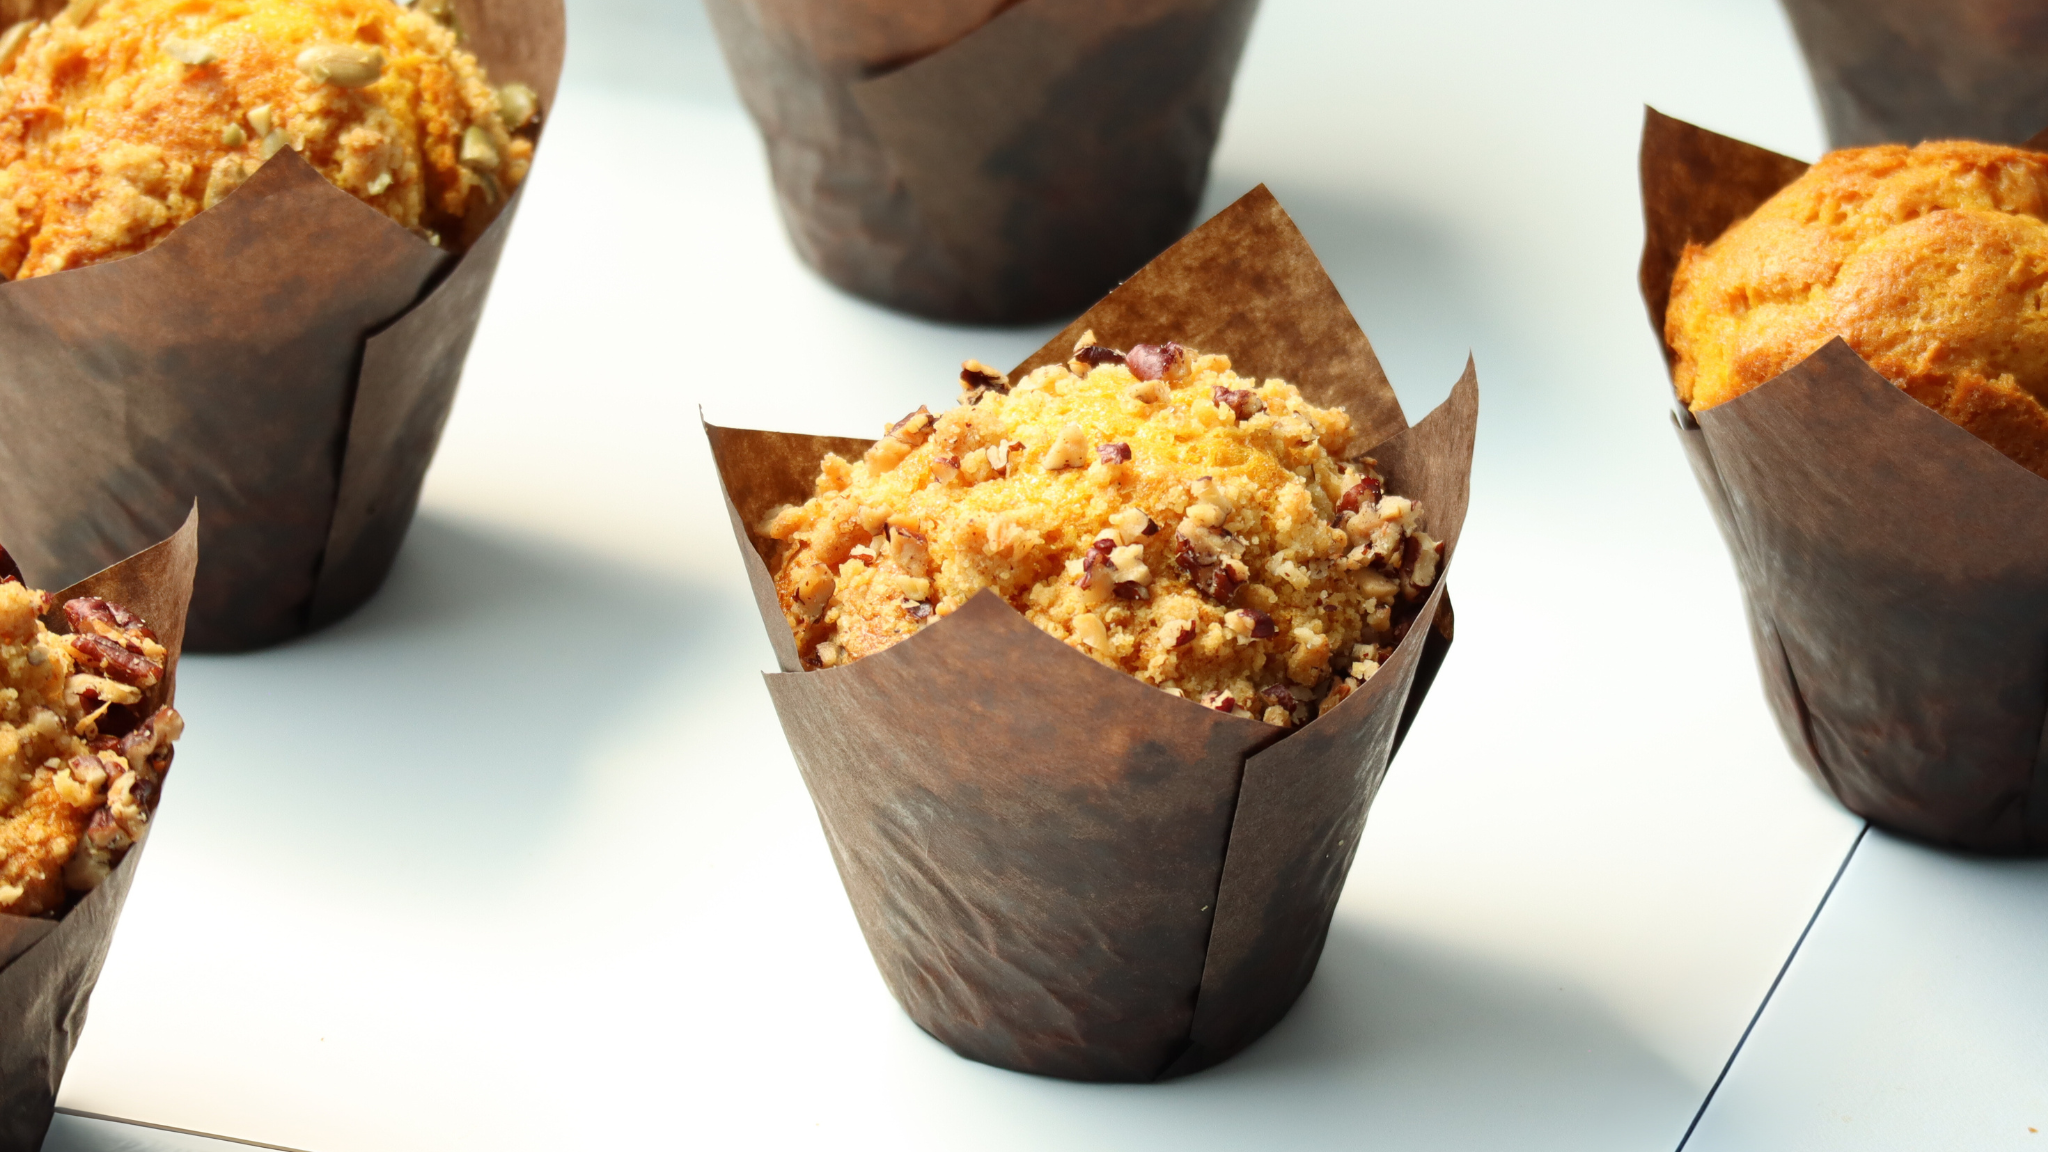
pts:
pixel 1061 869
pixel 287 358
pixel 1910 70
pixel 984 161
pixel 1892 563
pixel 48 967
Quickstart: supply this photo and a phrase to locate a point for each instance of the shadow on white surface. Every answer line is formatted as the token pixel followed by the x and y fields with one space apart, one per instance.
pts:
pixel 1915 1016
pixel 96 1134
pixel 456 704
pixel 1399 1044
pixel 1393 1041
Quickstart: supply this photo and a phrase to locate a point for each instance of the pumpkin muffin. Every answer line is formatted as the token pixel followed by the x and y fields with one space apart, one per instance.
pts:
pixel 1199 530
pixel 1930 261
pixel 79 775
pixel 122 119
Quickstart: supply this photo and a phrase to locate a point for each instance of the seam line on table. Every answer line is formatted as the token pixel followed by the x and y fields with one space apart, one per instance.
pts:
pixel 1775 981
pixel 179 1131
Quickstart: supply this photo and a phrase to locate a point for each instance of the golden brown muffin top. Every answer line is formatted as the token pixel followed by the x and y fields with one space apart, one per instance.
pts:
pixel 79 776
pixel 1930 261
pixel 122 119
pixel 1199 530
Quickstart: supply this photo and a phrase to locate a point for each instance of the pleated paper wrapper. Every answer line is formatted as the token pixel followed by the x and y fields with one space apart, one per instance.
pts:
pixel 1060 869
pixel 48 967
pixel 286 358
pixel 984 160
pixel 1903 71
pixel 1894 566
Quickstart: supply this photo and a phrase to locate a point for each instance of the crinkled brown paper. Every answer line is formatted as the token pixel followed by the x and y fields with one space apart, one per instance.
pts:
pixel 287 359
pixel 984 160
pixel 1059 868
pixel 1911 70
pixel 48 967
pixel 1892 563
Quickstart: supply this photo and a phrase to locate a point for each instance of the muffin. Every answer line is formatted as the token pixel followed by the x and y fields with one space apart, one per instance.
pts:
pixel 1199 530
pixel 79 769
pixel 122 119
pixel 1928 261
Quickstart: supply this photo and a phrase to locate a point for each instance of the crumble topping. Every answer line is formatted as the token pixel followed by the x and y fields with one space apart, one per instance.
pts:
pixel 1202 531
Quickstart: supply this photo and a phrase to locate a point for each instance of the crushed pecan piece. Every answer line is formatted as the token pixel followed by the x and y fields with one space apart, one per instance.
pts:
pixel 1095 355
pixel 1113 453
pixel 113 660
pixel 1282 696
pixel 1243 402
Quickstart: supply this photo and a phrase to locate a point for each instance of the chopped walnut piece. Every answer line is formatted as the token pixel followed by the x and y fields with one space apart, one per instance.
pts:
pixel 978 377
pixel 945 469
pixel 1364 494
pixel 1251 623
pixel 1420 557
pixel 1113 453
pixel 1069 449
pixel 1216 578
pixel 1089 629
pixel 1220 700
pixel 1282 696
pixel 999 454
pixel 1093 355
pixel 1132 524
pixel 1157 361
pixel 1098 573
pixel 1129 562
pixel 910 550
pixel 1147 392
pixel 900 439
pixel 814 590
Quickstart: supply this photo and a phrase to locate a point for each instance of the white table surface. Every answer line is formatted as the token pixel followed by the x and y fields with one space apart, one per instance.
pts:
pixel 516 857
pixel 1913 1019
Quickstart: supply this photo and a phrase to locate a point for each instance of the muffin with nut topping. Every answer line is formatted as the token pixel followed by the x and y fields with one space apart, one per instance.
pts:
pixel 81 761
pixel 1204 532
pixel 122 119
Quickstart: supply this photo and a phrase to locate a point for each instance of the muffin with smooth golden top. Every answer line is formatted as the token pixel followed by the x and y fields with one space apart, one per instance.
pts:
pixel 1931 262
pixel 122 119
pixel 79 776
pixel 1199 530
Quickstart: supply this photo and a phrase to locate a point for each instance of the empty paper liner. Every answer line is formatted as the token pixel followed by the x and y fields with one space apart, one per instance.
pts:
pixel 48 967
pixel 1894 566
pixel 1058 868
pixel 984 160
pixel 1903 71
pixel 286 358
